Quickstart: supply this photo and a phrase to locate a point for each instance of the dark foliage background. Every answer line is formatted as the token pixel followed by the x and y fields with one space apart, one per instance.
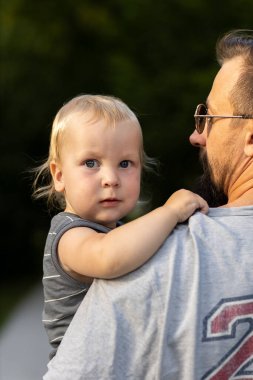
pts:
pixel 159 57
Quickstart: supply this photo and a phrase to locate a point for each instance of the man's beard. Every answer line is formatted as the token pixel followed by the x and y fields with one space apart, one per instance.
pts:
pixel 206 187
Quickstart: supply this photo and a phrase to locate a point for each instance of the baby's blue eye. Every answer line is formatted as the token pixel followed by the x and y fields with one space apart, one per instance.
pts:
pixel 124 164
pixel 91 163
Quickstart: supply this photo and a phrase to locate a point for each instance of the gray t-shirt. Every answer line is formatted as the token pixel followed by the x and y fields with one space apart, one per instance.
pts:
pixel 187 314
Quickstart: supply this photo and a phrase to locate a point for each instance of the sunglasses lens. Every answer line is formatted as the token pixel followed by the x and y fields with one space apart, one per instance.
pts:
pixel 199 120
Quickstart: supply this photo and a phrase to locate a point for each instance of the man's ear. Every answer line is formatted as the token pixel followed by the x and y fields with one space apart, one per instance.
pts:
pixel 56 172
pixel 248 146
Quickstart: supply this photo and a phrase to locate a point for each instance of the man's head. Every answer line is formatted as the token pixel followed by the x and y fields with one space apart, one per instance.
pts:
pixel 227 142
pixel 239 44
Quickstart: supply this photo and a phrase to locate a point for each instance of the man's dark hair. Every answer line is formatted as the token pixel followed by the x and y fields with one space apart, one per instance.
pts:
pixel 234 44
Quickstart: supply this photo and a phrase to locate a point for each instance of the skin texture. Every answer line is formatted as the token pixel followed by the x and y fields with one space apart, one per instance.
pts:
pixel 228 144
pixel 99 173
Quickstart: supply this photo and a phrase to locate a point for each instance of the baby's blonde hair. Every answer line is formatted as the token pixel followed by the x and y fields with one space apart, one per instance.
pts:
pixel 96 107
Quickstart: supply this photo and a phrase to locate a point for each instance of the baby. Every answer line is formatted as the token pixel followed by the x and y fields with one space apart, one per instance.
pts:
pixel 95 163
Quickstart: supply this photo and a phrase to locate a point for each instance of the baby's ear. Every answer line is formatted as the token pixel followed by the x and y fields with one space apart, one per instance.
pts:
pixel 57 175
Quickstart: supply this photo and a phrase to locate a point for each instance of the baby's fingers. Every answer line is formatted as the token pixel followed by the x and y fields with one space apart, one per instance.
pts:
pixel 203 205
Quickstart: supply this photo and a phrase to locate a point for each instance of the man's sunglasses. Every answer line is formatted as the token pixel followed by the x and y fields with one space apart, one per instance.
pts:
pixel 201 115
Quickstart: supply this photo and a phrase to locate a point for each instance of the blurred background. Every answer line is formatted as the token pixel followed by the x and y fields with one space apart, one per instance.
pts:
pixel 158 57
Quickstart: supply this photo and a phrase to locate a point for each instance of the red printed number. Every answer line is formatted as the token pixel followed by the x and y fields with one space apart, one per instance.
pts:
pixel 222 323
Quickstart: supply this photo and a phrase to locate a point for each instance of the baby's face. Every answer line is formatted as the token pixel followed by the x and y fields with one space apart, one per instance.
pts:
pixel 100 169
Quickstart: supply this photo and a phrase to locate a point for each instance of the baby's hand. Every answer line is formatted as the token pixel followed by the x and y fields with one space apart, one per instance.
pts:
pixel 184 203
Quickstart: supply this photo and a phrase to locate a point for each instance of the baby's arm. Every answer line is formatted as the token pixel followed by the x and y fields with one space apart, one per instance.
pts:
pixel 85 252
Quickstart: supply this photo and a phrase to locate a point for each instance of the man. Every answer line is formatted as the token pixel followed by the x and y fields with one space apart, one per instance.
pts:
pixel 187 314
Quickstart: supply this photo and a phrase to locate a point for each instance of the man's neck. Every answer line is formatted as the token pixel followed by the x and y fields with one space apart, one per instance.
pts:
pixel 241 191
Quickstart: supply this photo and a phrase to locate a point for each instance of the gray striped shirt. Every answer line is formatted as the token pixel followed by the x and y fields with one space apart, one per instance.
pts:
pixel 62 293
